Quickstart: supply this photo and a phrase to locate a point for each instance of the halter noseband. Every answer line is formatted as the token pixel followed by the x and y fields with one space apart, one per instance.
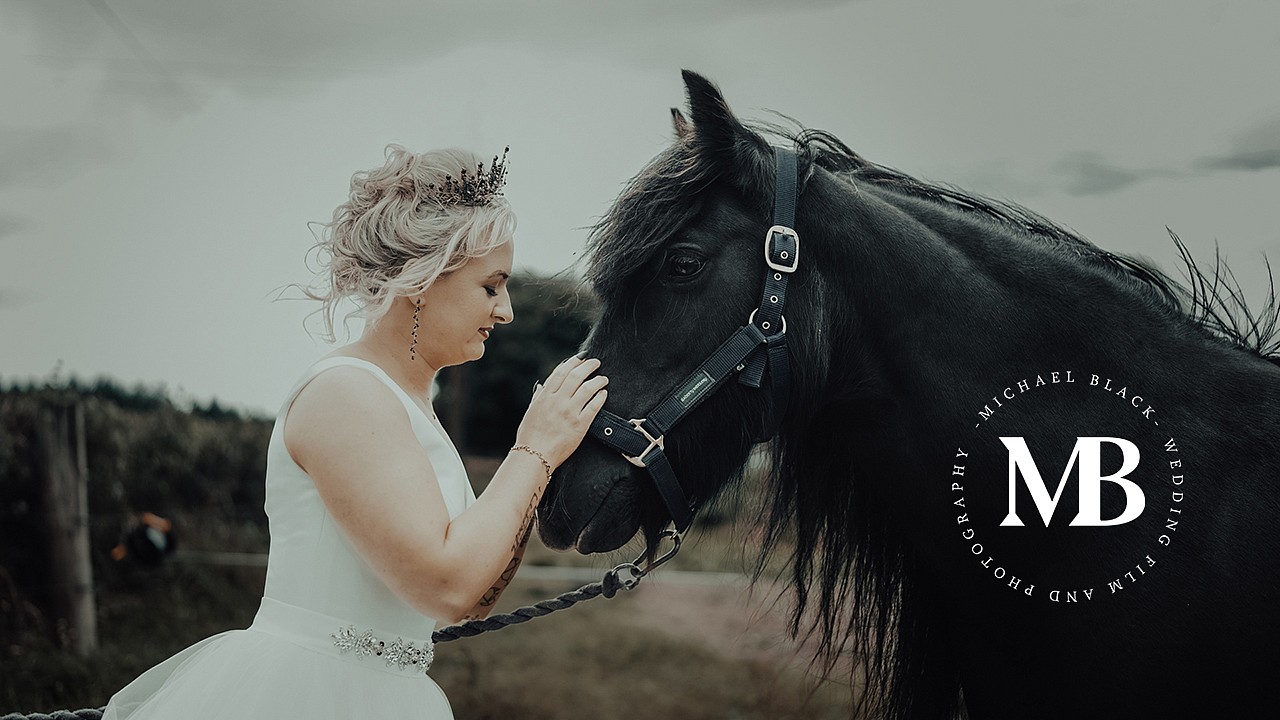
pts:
pixel 761 341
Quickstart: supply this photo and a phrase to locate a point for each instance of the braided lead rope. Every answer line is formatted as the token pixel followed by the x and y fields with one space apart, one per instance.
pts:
pixel 608 586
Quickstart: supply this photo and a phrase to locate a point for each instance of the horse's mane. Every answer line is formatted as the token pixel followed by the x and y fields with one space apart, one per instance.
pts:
pixel 847 562
pixel 665 196
pixel 1212 301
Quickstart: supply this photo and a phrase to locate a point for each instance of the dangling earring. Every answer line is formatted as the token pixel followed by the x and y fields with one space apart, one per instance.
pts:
pixel 413 346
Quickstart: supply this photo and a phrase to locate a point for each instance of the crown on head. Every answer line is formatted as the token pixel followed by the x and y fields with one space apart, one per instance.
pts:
pixel 472 189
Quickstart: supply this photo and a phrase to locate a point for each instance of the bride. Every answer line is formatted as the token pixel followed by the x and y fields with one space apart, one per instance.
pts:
pixel 376 535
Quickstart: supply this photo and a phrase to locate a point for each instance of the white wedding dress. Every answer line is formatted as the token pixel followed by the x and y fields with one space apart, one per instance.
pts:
pixel 330 640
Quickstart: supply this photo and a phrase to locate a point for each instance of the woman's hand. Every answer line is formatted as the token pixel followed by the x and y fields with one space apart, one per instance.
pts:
pixel 562 409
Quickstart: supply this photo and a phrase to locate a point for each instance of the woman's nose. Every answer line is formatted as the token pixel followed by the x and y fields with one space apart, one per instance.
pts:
pixel 503 313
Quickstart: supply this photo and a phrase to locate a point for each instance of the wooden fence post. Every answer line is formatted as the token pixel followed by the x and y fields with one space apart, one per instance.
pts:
pixel 67 505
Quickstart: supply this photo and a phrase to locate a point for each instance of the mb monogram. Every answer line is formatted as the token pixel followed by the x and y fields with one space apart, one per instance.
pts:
pixel 1088 451
pixel 1064 466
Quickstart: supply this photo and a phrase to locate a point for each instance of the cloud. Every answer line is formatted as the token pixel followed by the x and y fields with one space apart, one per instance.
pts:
pixel 42 157
pixel 237 42
pixel 93 65
pixel 1257 148
pixel 1081 173
pixel 1088 173
pixel 10 225
pixel 10 299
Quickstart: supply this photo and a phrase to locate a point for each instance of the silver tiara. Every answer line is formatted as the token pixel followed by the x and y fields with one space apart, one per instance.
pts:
pixel 474 189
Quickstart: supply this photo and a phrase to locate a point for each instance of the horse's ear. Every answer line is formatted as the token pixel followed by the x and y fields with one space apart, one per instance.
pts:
pixel 683 128
pixel 719 136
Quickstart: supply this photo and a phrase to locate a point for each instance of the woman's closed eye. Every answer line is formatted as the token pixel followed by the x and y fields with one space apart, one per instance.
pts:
pixel 493 291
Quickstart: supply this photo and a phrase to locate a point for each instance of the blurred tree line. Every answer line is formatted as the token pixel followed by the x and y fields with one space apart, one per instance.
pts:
pixel 143 454
pixel 204 465
pixel 481 403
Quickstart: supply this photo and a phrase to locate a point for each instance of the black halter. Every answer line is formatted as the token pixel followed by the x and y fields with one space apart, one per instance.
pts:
pixel 760 342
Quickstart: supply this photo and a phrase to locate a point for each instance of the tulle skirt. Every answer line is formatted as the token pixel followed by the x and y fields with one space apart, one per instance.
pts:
pixel 284 666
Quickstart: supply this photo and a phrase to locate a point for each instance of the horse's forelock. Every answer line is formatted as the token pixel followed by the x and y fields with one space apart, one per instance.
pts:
pixel 665 196
pixel 655 204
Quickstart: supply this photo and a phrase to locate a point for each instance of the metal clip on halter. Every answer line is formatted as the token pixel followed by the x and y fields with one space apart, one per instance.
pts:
pixel 635 573
pixel 751 320
pixel 654 442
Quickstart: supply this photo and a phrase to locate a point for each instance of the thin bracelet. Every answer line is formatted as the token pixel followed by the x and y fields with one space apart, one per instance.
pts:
pixel 541 458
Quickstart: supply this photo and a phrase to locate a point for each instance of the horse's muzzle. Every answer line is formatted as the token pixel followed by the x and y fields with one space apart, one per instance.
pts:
pixel 590 504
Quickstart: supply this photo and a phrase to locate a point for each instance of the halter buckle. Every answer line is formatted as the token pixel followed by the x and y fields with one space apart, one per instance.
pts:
pixel 654 442
pixel 789 262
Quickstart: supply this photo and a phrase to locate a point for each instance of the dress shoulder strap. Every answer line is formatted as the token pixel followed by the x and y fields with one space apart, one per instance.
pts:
pixel 339 360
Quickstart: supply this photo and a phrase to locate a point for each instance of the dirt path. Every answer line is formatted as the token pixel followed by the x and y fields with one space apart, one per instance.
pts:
pixel 736 620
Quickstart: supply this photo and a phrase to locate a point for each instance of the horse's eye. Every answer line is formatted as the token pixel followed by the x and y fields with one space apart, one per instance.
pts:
pixel 684 266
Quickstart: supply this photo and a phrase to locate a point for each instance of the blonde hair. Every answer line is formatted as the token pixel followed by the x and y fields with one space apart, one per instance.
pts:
pixel 392 238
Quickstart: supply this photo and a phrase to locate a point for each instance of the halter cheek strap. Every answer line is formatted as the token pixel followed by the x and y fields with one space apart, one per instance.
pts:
pixel 759 343
pixel 781 257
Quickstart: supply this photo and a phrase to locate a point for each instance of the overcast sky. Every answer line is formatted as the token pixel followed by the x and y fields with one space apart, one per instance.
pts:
pixel 160 159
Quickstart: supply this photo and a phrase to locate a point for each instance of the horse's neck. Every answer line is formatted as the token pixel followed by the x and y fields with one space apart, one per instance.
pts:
pixel 943 295
pixel 945 308
pixel 927 314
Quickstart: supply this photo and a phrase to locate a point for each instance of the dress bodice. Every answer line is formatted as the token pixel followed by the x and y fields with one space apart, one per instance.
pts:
pixel 312 563
pixel 292 662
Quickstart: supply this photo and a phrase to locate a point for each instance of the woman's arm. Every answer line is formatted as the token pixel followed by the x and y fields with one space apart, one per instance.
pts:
pixel 490 597
pixel 352 436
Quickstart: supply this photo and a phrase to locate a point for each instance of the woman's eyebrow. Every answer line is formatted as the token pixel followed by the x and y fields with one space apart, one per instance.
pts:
pixel 500 273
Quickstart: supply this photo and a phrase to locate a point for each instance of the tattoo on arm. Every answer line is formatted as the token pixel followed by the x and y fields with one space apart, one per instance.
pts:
pixel 526 525
pixel 491 596
pixel 517 551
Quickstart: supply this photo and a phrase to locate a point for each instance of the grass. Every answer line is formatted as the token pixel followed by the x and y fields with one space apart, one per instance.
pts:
pixel 598 659
pixel 622 658
pixel 142 619
pixel 595 660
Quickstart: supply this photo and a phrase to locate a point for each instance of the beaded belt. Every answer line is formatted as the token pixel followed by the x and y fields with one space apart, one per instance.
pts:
pixel 336 637
pixel 399 653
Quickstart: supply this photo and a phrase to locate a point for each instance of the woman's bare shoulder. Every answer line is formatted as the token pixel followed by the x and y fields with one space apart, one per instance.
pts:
pixel 339 405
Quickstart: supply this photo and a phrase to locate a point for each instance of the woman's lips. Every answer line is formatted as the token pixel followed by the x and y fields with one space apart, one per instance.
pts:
pixel 485 332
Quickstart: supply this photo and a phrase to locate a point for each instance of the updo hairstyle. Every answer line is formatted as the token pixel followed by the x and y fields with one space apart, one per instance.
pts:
pixel 392 237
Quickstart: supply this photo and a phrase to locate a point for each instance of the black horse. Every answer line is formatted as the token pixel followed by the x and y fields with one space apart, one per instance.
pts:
pixel 943 348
